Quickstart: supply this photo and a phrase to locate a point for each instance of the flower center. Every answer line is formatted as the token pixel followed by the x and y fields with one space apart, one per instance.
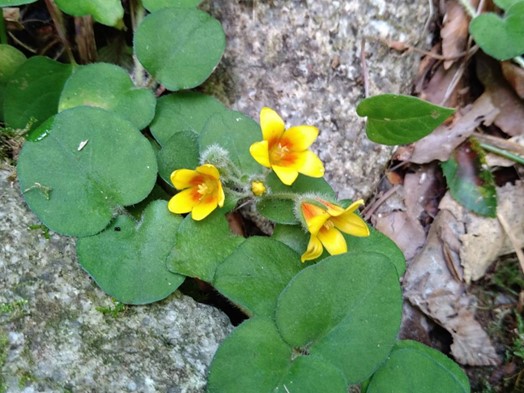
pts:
pixel 207 187
pixel 278 152
pixel 328 225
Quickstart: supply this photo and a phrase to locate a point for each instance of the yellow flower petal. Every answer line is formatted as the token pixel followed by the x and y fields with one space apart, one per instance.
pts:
pixel 271 123
pixel 286 175
pixel 314 249
pixel 209 170
pixel 332 240
pixel 260 152
pixel 204 208
pixel 310 164
pixel 220 194
pixel 351 224
pixel 315 223
pixel 184 178
pixel 184 201
pixel 300 137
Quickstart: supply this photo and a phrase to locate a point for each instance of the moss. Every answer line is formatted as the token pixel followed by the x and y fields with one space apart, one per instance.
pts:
pixel 3 358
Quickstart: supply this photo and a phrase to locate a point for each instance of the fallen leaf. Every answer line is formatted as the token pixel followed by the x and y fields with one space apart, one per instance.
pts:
pixel 430 283
pixel 454 32
pixel 515 77
pixel 440 143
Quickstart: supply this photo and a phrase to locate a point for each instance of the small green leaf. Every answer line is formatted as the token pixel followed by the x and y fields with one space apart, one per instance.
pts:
pixel 106 12
pixel 470 182
pixel 82 166
pixel 153 5
pixel 255 359
pixel 14 3
pixel 293 236
pixel 179 46
pixel 32 94
pixel 282 211
pixel 397 119
pixel 255 273
pixel 184 111
pixel 235 132
pixel 10 60
pixel 128 259
pixel 345 310
pixel 201 246
pixel 180 151
pixel 501 38
pixel 506 4
pixel 108 86
pixel 413 367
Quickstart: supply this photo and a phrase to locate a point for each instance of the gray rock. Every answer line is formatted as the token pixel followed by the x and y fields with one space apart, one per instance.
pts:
pixel 303 59
pixel 55 338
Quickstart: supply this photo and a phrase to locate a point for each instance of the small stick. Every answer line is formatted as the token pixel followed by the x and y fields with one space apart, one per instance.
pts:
pixel 364 67
pixel 512 239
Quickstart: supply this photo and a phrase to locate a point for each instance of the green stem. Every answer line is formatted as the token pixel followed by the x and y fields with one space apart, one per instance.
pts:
pixel 469 8
pixel 3 32
pixel 138 14
pixel 503 153
pixel 282 195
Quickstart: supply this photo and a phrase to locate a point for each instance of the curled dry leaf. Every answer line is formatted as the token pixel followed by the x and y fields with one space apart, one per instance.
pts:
pixel 484 239
pixel 515 77
pixel 440 143
pixel 433 283
pixel 454 32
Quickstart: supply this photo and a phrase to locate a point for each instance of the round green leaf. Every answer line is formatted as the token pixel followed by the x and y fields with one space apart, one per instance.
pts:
pixel 282 211
pixel 255 359
pixel 10 60
pixel 397 119
pixel 413 367
pixel 506 4
pixel 82 165
pixel 106 12
pixel 183 111
pixel 501 38
pixel 128 259
pixel 201 246
pixel 32 93
pixel 153 5
pixel 235 132
pixel 13 3
pixel 255 273
pixel 108 86
pixel 179 46
pixel 345 310
pixel 180 151
pixel 292 236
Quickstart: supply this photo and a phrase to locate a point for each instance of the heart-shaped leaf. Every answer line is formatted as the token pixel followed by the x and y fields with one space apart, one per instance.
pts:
pixel 81 166
pixel 106 12
pixel 13 3
pixel 191 45
pixel 201 246
pixel 255 359
pixel 397 119
pixel 469 181
pixel 109 87
pixel 10 60
pixel 282 211
pixel 128 259
pixel 183 111
pixel 345 310
pixel 180 151
pixel 506 4
pixel 413 367
pixel 255 273
pixel 235 132
pixel 501 38
pixel 153 5
pixel 32 94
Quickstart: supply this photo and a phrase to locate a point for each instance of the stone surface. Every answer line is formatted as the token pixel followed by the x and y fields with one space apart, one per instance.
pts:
pixel 303 59
pixel 54 339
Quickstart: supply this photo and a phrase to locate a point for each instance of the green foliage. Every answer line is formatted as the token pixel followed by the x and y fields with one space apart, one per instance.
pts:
pixel 153 5
pixel 136 253
pixel 106 12
pixel 10 60
pixel 191 45
pixel 501 37
pixel 13 3
pixel 396 119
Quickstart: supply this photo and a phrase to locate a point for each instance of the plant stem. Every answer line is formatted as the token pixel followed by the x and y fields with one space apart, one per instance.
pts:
pixel 58 21
pixel 468 7
pixel 504 153
pixel 519 60
pixel 3 33
pixel 138 13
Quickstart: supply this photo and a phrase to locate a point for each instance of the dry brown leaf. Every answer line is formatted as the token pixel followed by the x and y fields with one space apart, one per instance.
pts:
pixel 484 239
pixel 440 143
pixel 454 32
pixel 437 89
pixel 515 77
pixel 430 285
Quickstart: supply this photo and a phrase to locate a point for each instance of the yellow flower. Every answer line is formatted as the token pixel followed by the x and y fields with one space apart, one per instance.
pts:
pixel 258 188
pixel 201 191
pixel 325 224
pixel 286 151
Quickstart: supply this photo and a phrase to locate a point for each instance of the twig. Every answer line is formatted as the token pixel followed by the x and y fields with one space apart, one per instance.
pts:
pixel 503 153
pixel 519 60
pixel 512 239
pixel 58 21
pixel 138 13
pixel 468 7
pixel 370 210
pixel 500 143
pixel 364 67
